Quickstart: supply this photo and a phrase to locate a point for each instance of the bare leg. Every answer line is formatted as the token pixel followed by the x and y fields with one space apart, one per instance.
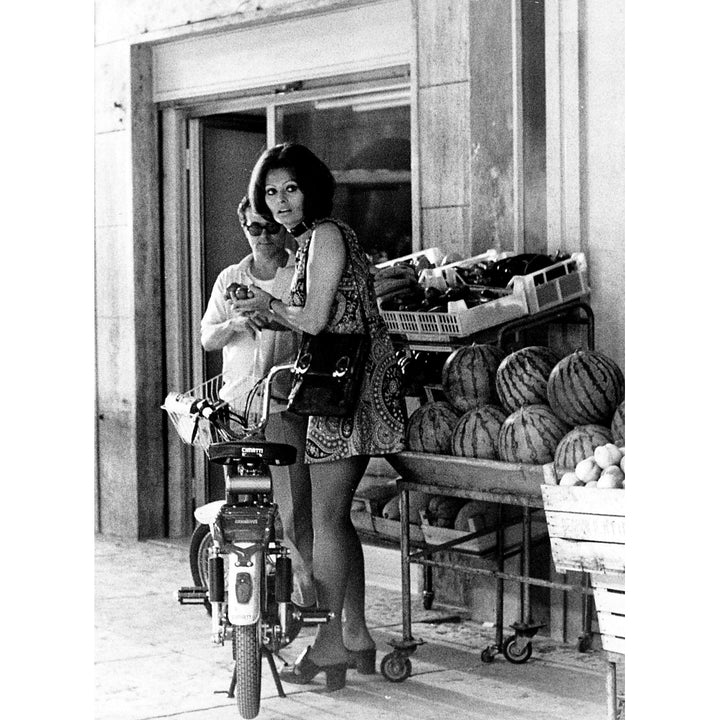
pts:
pixel 291 491
pixel 337 557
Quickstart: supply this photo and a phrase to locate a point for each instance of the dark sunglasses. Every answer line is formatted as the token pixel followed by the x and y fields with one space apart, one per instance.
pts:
pixel 256 229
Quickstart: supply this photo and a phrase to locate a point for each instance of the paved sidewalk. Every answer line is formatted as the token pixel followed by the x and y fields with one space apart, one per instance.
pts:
pixel 154 659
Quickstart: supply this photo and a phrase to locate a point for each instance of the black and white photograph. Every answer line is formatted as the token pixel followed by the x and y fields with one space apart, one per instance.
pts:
pixel 354 335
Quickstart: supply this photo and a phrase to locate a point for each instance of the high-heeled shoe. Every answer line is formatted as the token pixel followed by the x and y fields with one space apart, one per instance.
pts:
pixel 304 670
pixel 362 660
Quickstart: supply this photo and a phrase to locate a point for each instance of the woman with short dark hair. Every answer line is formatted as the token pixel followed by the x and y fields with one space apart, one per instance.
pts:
pixel 332 291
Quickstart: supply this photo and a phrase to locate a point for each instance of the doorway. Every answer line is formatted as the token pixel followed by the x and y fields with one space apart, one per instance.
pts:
pixel 360 129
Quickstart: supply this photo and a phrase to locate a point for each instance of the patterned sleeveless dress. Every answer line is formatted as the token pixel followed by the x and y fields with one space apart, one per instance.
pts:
pixel 377 426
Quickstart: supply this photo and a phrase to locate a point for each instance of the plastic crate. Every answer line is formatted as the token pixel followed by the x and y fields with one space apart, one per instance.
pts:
pixel 556 284
pixel 433 254
pixel 442 326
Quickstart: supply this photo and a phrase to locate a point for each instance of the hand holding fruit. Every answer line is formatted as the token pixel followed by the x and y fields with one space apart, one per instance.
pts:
pixel 254 300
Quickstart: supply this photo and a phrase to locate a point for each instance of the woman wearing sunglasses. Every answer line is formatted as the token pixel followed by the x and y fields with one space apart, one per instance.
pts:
pixel 332 292
pixel 251 346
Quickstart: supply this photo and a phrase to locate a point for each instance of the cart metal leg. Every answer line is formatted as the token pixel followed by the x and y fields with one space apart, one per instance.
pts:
pixel 396 665
pixel 611 687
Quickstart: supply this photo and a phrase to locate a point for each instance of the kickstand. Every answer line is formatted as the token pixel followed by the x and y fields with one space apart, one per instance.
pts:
pixel 273 670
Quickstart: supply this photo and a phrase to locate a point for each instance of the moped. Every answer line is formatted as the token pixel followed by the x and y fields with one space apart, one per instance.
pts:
pixel 241 569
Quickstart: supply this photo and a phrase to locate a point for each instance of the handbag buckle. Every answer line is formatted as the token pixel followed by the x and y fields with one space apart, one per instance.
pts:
pixel 341 366
pixel 303 362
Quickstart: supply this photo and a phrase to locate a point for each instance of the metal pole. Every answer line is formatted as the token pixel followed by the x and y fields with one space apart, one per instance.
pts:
pixel 405 562
pixel 525 601
pixel 499 586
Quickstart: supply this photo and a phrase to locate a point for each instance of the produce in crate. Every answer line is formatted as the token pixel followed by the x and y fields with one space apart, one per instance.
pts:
pixel 522 377
pixel 442 510
pixel 618 425
pixel 468 375
pixel 585 388
pixel 531 435
pixel 397 285
pixel 391 509
pixel 571 479
pixel 578 444
pixel 417 501
pixel 612 477
pixel 476 433
pixel 587 470
pixel 607 455
pixel 604 468
pixel 430 427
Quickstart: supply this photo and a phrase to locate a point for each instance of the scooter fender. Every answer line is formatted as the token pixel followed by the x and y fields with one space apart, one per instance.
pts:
pixel 244 589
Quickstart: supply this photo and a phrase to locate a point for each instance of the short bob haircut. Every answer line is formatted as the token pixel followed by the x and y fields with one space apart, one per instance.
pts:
pixel 311 174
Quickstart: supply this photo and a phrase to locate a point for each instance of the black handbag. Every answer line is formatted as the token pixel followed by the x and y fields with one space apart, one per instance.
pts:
pixel 329 371
pixel 328 374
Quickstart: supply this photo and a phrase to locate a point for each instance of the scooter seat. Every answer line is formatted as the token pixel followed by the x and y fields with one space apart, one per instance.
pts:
pixel 252 451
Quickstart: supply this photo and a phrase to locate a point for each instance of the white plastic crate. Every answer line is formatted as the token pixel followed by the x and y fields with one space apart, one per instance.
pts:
pixel 556 284
pixel 442 326
pixel 433 254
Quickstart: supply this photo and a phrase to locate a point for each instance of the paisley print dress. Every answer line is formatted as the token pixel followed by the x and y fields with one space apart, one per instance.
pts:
pixel 377 426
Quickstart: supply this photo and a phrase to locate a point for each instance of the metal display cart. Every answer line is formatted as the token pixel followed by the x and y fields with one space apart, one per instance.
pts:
pixel 473 479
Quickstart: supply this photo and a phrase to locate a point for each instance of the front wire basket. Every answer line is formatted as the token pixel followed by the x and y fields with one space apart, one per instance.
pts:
pixel 244 409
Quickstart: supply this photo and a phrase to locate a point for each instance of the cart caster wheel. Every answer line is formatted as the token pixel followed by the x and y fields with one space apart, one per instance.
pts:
pixel 487 655
pixel 395 667
pixel 428 598
pixel 514 653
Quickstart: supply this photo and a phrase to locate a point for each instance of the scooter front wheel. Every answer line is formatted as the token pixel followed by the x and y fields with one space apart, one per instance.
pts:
pixel 247 653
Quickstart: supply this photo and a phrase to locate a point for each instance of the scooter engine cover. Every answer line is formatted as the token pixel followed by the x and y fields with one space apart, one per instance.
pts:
pixel 247 523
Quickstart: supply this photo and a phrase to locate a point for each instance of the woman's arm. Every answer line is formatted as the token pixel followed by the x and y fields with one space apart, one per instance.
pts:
pixel 325 265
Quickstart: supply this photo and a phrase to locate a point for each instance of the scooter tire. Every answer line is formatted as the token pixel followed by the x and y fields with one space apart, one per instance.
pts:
pixel 200 544
pixel 247 653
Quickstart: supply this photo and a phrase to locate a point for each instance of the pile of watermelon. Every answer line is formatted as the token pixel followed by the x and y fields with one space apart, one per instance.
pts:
pixel 530 406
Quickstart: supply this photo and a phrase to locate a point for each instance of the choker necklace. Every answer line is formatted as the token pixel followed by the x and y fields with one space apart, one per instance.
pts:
pixel 299 229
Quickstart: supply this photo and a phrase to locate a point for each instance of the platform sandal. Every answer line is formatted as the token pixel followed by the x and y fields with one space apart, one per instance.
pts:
pixel 304 670
pixel 362 660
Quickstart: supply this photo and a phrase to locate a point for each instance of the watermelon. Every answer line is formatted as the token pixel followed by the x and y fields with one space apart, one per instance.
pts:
pixel 483 512
pixel 468 376
pixel 476 433
pixel 585 387
pixel 522 377
pixel 530 435
pixel 617 426
pixel 430 427
pixel 579 444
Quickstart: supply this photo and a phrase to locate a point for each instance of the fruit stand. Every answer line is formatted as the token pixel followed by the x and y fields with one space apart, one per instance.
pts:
pixel 481 430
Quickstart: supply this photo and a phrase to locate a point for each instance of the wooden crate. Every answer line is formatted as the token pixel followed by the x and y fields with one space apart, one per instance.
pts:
pixel 587 532
pixel 586 528
pixel 609 594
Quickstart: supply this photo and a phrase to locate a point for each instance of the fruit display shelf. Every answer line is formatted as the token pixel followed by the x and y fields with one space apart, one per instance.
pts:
pixel 492 480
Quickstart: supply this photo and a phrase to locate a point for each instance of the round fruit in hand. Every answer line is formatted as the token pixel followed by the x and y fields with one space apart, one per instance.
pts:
pixel 230 290
pixel 607 455
pixel 588 470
